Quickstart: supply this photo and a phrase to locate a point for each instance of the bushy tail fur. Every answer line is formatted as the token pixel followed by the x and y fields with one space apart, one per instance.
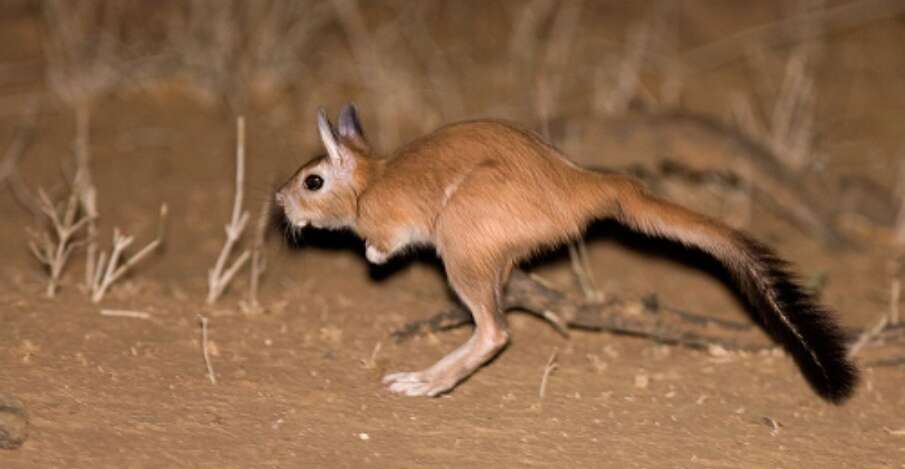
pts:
pixel 789 312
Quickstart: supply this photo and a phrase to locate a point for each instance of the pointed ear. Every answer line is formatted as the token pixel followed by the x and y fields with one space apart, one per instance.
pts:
pixel 328 137
pixel 350 127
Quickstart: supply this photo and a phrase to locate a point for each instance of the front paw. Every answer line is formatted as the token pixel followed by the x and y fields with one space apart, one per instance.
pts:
pixel 376 256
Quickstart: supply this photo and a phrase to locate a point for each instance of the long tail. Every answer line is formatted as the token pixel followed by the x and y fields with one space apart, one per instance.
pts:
pixel 789 312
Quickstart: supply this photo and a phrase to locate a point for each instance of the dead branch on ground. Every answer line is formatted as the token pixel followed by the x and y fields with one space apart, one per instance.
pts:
pixel 639 317
pixel 219 277
pixel 644 317
pixel 112 269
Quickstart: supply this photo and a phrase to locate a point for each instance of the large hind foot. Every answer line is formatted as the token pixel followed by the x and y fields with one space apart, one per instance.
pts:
pixel 449 371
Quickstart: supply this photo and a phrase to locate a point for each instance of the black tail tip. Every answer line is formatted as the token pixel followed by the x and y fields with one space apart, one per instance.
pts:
pixel 807 330
pixel 838 384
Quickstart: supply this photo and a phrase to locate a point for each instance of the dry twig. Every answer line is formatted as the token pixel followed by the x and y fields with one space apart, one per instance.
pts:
pixel 370 363
pixel 121 313
pixel 549 368
pixel 868 335
pixel 218 278
pixel 205 350
pixel 108 271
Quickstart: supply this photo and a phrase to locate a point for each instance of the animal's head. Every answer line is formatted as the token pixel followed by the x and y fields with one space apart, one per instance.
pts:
pixel 324 192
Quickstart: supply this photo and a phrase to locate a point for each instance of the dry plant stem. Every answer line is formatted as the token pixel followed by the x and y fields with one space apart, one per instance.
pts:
pixel 895 297
pixel 54 251
pixel 205 352
pixel 109 271
pixel 900 217
pixel 219 277
pixel 83 185
pixel 258 261
pixel 370 363
pixel 549 368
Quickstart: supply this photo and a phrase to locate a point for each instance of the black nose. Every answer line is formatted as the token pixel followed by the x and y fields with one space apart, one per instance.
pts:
pixel 280 199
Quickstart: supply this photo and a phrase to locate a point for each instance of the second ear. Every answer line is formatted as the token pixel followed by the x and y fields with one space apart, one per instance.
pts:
pixel 349 124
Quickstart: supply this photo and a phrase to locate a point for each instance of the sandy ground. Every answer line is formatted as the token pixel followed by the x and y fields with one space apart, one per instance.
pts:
pixel 298 385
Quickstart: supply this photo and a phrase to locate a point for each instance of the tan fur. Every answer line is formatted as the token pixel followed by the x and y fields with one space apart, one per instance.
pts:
pixel 486 194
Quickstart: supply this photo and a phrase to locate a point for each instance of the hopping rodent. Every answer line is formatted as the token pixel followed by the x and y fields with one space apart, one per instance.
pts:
pixel 487 194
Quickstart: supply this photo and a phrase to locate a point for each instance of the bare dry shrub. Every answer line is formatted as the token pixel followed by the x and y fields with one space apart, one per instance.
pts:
pixel 53 244
pixel 109 270
pixel 226 48
pixel 84 63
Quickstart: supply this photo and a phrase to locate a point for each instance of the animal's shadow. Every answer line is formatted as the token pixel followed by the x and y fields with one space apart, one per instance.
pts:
pixel 598 232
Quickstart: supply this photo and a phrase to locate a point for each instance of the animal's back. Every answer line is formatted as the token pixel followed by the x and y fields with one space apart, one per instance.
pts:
pixel 511 186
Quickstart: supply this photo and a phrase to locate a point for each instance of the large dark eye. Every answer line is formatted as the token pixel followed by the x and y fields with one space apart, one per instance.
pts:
pixel 313 182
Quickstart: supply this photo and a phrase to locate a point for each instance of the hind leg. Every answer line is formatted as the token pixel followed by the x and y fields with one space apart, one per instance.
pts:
pixel 479 287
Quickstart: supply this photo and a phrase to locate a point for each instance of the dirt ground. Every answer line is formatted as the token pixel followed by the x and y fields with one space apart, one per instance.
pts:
pixel 298 385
